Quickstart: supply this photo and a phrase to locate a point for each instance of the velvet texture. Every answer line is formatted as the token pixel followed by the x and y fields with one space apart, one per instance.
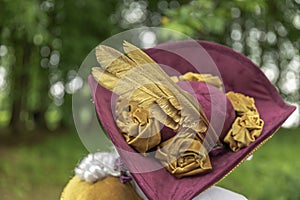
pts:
pixel 239 74
pixel 108 188
pixel 207 94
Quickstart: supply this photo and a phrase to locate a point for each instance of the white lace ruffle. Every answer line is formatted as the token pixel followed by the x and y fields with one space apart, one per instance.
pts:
pixel 97 166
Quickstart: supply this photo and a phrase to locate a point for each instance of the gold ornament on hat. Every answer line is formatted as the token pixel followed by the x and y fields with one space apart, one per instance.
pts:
pixel 148 97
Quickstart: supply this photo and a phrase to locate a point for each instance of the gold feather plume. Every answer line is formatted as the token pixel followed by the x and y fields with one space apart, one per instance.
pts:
pixel 137 77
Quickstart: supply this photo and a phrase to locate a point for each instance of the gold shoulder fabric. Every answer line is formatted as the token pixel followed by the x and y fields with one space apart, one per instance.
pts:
pixel 247 126
pixel 108 188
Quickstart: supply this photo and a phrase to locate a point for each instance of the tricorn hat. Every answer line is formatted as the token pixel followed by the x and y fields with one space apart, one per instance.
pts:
pixel 179 129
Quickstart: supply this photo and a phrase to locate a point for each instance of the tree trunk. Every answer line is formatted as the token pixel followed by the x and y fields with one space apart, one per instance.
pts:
pixel 15 120
pixel 19 81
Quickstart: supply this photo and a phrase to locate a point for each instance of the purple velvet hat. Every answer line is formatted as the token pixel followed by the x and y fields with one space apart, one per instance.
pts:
pixel 240 75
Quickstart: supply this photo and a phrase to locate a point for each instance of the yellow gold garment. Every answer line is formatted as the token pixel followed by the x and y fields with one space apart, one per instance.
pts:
pixel 109 188
pixel 247 126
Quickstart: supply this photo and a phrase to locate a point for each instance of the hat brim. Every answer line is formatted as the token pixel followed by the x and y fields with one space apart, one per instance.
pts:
pixel 239 74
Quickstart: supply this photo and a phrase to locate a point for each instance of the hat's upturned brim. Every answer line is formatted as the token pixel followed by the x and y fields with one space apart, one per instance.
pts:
pixel 239 74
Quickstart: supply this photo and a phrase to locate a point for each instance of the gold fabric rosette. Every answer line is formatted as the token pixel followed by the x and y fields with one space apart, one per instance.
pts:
pixel 247 126
pixel 140 130
pixel 184 155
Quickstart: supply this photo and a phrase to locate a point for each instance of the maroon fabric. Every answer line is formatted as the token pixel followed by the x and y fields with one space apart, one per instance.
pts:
pixel 224 114
pixel 239 74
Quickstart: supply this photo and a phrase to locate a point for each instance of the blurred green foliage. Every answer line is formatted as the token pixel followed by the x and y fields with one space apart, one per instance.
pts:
pixel 43 42
pixel 266 31
pixel 272 173
pixel 30 171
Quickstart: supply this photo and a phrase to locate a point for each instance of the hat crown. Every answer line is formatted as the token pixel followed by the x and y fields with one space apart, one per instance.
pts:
pixel 239 74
